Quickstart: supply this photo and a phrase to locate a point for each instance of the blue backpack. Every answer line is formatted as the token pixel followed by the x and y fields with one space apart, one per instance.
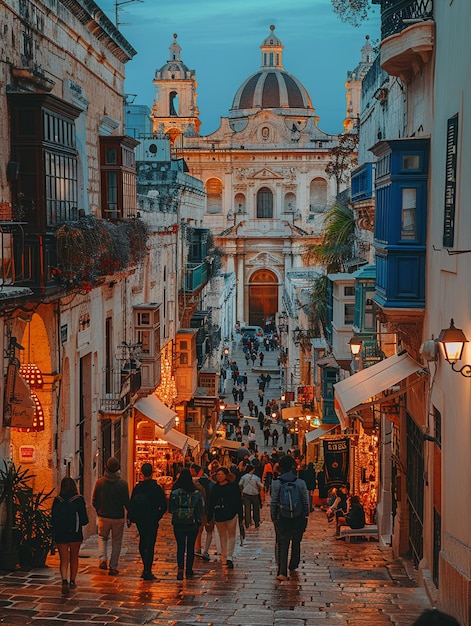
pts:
pixel 290 505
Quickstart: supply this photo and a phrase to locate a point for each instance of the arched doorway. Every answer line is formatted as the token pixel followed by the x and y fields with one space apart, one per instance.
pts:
pixel 263 298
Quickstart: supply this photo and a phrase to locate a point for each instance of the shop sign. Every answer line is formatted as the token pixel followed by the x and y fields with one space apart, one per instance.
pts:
pixel 27 454
pixel 204 402
pixel 336 459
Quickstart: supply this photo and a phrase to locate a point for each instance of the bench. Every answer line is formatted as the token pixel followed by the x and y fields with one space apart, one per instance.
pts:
pixel 370 531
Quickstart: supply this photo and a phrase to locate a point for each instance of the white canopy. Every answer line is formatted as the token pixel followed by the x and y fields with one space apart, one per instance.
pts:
pixel 157 411
pixel 360 387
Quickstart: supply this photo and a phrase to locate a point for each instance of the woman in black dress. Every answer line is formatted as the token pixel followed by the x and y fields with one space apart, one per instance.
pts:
pixel 69 514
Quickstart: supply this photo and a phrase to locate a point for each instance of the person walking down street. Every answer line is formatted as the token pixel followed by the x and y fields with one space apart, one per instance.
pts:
pixel 261 356
pixel 253 356
pixel 308 474
pixel 69 514
pixel 252 490
pixel 187 507
pixel 266 434
pixel 110 499
pixel 235 393
pixel 289 512
pixel 225 506
pixel 267 476
pixel 274 437
pixel 285 432
pixel 261 419
pixel 251 406
pixel 202 480
pixel 146 508
pixel 245 381
pixel 252 439
pixel 261 394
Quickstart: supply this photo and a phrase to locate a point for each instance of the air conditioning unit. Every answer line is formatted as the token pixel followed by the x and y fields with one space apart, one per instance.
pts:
pixel 429 350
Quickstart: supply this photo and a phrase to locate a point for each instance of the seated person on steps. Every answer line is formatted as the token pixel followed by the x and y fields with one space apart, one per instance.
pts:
pixel 355 518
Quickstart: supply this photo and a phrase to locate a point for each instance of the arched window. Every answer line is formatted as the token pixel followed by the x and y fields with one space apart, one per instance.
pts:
pixel 213 195
pixel 264 203
pixel 318 194
pixel 173 103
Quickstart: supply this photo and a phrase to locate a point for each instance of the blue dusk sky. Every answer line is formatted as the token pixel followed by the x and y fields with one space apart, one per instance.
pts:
pixel 220 40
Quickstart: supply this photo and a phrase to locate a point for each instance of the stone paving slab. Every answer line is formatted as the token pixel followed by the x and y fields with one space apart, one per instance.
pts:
pixel 337 584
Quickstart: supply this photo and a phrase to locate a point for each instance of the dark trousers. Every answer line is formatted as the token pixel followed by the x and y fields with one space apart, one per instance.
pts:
pixel 251 507
pixel 185 545
pixel 147 537
pixel 288 531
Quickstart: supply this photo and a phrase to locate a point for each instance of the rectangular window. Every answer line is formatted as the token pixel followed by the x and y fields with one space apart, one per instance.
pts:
pixel 410 162
pixel 349 290
pixel 349 314
pixel 143 337
pixel 450 183
pixel 409 214
pixel 112 194
pixel 111 157
pixel 369 314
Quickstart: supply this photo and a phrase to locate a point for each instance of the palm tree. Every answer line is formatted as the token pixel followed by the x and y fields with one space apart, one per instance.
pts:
pixel 336 247
pixel 337 243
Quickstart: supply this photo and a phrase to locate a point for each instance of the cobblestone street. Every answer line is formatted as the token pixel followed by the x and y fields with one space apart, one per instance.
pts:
pixel 337 583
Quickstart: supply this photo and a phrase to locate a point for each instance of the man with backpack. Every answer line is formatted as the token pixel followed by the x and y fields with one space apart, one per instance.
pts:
pixel 146 508
pixel 289 512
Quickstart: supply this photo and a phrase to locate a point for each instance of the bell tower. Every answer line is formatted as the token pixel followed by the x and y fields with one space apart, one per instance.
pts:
pixel 174 111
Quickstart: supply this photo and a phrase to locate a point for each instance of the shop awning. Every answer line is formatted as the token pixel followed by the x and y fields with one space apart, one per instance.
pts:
pixel 177 439
pixel 228 444
pixel 323 429
pixel 152 408
pixel 355 390
pixel 292 411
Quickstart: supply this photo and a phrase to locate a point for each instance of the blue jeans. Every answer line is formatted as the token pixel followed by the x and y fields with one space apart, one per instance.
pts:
pixel 185 545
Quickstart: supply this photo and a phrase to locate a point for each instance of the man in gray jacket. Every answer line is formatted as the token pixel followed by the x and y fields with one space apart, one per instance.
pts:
pixel 290 523
pixel 110 498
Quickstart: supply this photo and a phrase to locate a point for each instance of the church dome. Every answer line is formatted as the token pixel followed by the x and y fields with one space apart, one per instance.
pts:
pixel 271 87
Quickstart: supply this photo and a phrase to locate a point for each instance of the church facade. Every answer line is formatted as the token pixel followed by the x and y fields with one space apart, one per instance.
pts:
pixel 263 169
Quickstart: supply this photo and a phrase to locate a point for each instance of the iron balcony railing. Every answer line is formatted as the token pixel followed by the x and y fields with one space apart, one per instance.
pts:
pixel 396 15
pixel 196 276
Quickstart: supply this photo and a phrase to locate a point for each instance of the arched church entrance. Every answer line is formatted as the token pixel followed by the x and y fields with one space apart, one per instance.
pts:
pixel 263 298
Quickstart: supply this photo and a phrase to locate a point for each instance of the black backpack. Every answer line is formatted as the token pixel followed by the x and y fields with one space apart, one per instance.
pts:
pixel 66 516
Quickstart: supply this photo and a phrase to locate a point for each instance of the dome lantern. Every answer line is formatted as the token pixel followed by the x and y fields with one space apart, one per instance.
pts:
pixel 272 52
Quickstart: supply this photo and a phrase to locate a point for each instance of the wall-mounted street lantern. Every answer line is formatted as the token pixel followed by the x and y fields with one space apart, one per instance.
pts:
pixel 453 340
pixel 356 345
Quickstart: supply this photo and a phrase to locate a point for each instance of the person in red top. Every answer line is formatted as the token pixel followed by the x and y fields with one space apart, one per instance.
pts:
pixel 267 476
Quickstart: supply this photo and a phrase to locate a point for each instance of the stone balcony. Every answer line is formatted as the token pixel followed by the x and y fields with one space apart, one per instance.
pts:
pixel 404 54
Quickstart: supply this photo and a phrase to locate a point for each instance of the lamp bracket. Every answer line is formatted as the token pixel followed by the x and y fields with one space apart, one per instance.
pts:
pixel 465 370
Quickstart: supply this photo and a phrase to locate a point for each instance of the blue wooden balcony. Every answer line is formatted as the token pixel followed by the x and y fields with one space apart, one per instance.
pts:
pixel 196 276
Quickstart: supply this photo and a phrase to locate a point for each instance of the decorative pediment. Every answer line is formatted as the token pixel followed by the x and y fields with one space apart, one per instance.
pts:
pixel 264 259
pixel 265 174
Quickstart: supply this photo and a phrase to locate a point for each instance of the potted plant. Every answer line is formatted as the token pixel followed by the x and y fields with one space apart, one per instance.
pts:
pixel 34 527
pixel 13 481
pixel 26 522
